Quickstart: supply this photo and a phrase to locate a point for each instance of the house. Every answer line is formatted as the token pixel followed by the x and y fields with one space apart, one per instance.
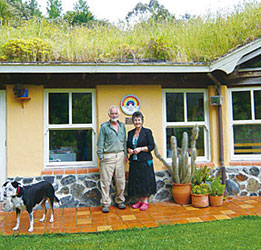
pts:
pixel 51 133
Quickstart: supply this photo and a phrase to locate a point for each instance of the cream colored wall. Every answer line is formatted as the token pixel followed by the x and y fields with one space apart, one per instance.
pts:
pixel 25 133
pixel 151 107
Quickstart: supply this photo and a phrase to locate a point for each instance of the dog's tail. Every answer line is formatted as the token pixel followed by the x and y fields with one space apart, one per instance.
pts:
pixel 56 199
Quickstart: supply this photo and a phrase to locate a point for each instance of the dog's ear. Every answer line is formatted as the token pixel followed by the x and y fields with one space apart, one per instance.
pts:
pixel 4 185
pixel 15 184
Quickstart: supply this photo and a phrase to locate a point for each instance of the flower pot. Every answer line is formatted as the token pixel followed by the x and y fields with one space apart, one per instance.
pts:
pixel 216 201
pixel 181 193
pixel 200 200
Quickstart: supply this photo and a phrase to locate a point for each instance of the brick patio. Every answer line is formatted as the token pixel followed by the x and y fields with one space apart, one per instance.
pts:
pixel 91 219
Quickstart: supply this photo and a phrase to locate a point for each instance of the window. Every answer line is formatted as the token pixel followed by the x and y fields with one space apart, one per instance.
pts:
pixel 182 110
pixel 246 122
pixel 69 127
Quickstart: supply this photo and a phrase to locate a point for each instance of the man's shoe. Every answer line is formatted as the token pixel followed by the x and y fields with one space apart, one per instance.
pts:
pixel 105 209
pixel 121 206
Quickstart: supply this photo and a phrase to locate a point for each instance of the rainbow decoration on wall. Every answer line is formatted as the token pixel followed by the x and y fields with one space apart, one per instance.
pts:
pixel 130 104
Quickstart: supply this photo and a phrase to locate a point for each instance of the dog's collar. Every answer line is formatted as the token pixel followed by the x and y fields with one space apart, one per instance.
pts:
pixel 18 189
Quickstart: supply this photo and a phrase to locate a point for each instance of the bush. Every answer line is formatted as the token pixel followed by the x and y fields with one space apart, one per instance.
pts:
pixel 31 50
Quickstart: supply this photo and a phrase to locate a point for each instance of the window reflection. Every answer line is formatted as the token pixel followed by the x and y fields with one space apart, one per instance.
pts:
pixel 178 133
pixel 70 145
pixel 81 108
pixel 257 103
pixel 58 108
pixel 247 139
pixel 241 105
pixel 175 107
pixel 195 106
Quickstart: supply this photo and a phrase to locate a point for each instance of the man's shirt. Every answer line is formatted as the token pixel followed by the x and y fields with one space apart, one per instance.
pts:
pixel 111 141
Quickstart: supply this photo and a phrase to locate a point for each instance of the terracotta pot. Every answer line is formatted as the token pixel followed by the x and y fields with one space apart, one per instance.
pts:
pixel 181 193
pixel 216 201
pixel 200 200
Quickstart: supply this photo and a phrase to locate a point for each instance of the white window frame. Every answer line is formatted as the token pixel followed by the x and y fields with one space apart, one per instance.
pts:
pixel 204 124
pixel 253 121
pixel 48 127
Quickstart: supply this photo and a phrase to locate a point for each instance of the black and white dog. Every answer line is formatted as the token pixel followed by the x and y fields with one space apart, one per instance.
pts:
pixel 26 197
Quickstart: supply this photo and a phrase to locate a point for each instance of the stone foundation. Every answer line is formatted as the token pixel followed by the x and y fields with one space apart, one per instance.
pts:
pixel 80 190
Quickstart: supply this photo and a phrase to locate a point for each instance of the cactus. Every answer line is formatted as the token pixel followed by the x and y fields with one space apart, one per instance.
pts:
pixel 180 169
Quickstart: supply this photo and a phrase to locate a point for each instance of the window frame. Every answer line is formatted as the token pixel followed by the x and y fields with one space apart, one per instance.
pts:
pixel 204 124
pixel 232 122
pixel 70 126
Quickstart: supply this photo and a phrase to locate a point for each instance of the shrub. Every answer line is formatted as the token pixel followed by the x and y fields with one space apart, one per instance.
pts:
pixel 200 189
pixel 217 188
pixel 31 50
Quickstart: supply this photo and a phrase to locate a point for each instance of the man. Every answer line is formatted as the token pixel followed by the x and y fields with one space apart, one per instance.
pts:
pixel 112 153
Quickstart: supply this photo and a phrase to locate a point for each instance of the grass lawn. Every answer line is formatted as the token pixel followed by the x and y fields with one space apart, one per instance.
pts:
pixel 238 233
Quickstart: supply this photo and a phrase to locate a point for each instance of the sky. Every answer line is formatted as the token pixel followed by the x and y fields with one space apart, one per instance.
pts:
pixel 115 10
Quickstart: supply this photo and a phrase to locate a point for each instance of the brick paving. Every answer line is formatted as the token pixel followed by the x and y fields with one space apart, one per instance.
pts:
pixel 91 219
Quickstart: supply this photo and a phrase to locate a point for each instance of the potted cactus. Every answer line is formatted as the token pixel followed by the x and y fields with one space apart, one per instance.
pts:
pixel 180 169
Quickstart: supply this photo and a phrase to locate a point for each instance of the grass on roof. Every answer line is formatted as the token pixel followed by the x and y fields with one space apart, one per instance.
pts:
pixel 200 39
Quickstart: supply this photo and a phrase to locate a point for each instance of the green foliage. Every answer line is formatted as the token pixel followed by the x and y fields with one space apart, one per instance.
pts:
pixel 199 39
pixel 203 188
pixel 202 175
pixel 54 8
pixel 217 188
pixel 80 15
pixel 159 48
pixel 152 11
pixel 27 50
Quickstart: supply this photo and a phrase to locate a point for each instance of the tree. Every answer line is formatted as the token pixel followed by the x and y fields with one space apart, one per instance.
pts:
pixel 19 9
pixel 54 8
pixel 33 7
pixel 5 12
pixel 154 10
pixel 81 13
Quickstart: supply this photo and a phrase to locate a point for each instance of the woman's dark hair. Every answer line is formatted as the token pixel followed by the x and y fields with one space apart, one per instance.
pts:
pixel 137 114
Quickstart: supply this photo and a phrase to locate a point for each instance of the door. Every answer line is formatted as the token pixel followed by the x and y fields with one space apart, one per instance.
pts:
pixel 2 138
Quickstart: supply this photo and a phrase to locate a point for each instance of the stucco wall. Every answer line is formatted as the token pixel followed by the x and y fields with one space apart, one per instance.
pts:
pixel 25 133
pixel 151 107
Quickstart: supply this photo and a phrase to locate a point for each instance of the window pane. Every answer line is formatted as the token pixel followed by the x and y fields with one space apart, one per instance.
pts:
pixel 58 108
pixel 70 145
pixel 247 139
pixel 195 107
pixel 257 101
pixel 241 105
pixel 178 132
pixel 175 107
pixel 82 108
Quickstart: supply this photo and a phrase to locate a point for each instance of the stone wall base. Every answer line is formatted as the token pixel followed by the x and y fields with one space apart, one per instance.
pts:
pixel 81 190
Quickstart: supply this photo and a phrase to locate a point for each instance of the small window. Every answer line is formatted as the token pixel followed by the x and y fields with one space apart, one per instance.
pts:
pixel 246 122
pixel 184 109
pixel 70 127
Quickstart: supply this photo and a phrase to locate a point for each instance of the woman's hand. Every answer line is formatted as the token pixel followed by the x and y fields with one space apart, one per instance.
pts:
pixel 130 151
pixel 137 150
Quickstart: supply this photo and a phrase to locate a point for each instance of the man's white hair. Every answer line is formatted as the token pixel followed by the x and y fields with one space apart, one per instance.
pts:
pixel 111 107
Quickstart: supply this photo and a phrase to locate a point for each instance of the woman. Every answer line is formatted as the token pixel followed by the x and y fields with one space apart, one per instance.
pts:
pixel 142 182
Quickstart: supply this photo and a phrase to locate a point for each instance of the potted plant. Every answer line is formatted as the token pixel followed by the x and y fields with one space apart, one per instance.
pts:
pixel 199 195
pixel 180 169
pixel 217 191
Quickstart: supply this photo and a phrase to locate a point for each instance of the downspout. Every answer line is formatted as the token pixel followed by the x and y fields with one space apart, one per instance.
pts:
pixel 220 129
